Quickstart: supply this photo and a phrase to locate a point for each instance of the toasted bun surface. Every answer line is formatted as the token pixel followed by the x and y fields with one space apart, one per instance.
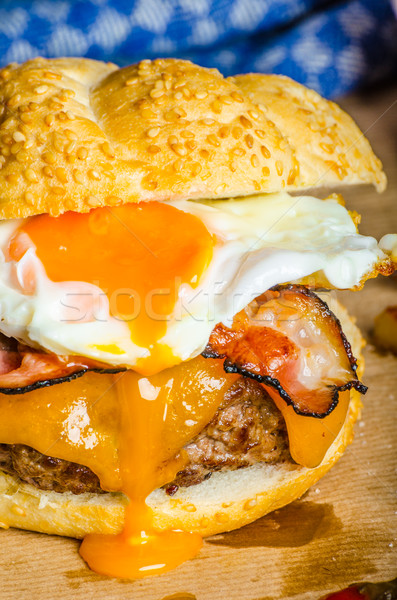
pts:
pixel 224 502
pixel 77 134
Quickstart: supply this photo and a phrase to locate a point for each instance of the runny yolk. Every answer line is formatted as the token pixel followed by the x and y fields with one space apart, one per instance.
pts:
pixel 148 443
pixel 138 254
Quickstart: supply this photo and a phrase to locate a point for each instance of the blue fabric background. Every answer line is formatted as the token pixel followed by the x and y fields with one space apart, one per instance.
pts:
pixel 332 46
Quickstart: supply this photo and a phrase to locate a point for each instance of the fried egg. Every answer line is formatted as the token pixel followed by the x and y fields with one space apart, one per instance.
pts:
pixel 143 285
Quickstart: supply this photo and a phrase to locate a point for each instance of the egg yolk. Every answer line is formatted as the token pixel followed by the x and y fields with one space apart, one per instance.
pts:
pixel 138 254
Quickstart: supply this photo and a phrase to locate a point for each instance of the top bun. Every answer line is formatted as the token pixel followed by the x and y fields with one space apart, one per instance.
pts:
pixel 77 134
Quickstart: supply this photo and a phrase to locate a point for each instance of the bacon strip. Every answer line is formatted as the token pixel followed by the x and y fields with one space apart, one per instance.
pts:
pixel 23 369
pixel 290 340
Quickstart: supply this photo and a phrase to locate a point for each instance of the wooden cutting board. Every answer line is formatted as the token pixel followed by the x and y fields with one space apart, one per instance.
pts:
pixel 342 531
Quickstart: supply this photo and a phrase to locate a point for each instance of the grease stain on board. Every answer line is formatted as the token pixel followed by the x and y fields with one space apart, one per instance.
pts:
pixel 291 527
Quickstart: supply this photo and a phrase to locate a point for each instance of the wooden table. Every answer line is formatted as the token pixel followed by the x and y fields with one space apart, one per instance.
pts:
pixel 342 531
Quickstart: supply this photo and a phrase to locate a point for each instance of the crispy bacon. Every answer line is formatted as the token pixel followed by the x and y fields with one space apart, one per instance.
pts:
pixel 290 340
pixel 23 369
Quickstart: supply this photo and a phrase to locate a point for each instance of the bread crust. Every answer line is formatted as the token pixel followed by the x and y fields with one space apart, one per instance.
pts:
pixel 226 501
pixel 77 134
pixel 328 145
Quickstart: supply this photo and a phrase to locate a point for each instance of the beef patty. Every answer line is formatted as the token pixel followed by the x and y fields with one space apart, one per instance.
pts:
pixel 246 429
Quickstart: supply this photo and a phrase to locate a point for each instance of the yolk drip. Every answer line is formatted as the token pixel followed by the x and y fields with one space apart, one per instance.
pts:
pixel 138 254
pixel 148 452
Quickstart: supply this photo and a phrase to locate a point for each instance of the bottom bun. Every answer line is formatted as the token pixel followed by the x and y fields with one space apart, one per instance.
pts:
pixel 226 501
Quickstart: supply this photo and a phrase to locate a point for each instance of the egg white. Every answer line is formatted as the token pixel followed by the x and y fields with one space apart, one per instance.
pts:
pixel 261 241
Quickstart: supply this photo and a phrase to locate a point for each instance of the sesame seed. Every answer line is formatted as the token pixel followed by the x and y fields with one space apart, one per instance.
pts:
pixel 31 175
pixel 49 120
pixel 26 118
pixel 71 135
pixel 249 140
pixel 200 95
pixel 51 75
pixel 12 178
pixel 107 149
pixel 186 134
pixel 60 172
pixel 70 115
pixel 279 167
pixel 223 132
pixel 82 153
pixel 265 151
pixel 216 106
pixel 250 504
pixel 14 100
pixel 156 93
pixel 238 151
pixel 254 161
pixel 55 106
pixel 237 132
pixel 179 83
pixel 15 148
pixel 189 507
pixel 225 100
pixel 22 156
pixel 179 149
pixel 245 122
pixel 171 115
pixel 59 191
pixel 191 145
pixel 253 114
pixel 178 95
pixel 213 140
pixel 131 81
pixel 328 148
pixel 18 136
pixel 266 171
pixel 78 177
pixel 291 176
pixel 48 172
pixel 91 200
pixel 49 157
pixel 41 89
pixel 153 132
pixel 153 149
pixel 207 121
pixel 94 174
pixel 178 165
pixel 237 97
pixel 58 143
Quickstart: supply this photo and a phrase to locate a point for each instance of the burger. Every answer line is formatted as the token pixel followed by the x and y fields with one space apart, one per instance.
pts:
pixel 174 361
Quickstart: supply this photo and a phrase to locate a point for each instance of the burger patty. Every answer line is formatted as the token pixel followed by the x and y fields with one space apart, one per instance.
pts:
pixel 247 428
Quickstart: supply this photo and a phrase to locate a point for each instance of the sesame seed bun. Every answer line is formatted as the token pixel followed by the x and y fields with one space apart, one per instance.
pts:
pixel 226 501
pixel 77 134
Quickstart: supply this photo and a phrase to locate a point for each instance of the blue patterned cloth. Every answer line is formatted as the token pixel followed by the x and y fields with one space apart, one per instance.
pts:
pixel 332 46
